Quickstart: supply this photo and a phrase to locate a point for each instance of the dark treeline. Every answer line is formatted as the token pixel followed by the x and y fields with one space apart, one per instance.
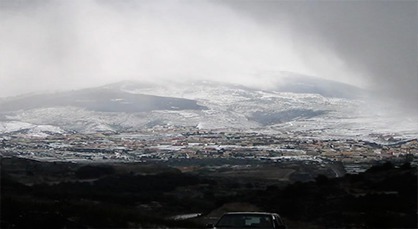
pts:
pixel 382 197
pixel 96 196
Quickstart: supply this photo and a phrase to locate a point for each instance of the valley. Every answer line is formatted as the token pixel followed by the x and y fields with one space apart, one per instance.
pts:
pixel 198 148
pixel 151 155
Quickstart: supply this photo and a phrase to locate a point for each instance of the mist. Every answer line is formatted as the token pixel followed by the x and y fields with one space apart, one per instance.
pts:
pixel 58 45
pixel 375 42
pixel 80 43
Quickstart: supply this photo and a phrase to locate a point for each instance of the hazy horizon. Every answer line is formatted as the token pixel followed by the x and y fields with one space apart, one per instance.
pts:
pixel 60 45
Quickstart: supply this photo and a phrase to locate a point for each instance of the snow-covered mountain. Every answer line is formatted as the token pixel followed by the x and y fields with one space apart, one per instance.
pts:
pixel 102 99
pixel 305 107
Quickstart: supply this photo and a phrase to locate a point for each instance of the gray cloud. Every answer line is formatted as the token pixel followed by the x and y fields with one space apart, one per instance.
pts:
pixel 69 44
pixel 375 40
pixel 64 44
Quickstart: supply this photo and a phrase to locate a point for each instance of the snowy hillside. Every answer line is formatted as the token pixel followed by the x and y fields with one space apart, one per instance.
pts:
pixel 207 105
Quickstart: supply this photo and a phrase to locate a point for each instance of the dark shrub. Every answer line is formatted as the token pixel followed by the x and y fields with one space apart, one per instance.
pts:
pixel 91 172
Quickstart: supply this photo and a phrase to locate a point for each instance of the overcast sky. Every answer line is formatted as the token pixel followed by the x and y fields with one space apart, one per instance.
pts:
pixel 56 45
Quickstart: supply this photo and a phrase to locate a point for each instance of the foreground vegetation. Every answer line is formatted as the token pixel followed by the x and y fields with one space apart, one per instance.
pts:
pixel 57 195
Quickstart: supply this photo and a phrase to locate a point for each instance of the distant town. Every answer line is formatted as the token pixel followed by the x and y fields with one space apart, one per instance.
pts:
pixel 181 143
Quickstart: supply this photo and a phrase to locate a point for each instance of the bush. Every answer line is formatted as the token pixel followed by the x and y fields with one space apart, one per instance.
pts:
pixel 91 172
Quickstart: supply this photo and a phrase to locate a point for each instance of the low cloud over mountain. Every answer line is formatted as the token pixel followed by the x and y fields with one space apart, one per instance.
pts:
pixel 99 99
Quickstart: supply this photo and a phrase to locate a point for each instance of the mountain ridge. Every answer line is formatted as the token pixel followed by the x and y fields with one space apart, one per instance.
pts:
pixel 100 99
pixel 201 105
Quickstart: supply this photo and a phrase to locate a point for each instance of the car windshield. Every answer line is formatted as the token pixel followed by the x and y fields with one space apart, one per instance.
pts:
pixel 245 220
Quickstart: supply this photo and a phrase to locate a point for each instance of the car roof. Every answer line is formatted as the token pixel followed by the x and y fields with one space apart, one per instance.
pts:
pixel 250 213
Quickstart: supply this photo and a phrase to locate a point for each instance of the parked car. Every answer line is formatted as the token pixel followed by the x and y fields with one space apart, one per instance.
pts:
pixel 249 220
